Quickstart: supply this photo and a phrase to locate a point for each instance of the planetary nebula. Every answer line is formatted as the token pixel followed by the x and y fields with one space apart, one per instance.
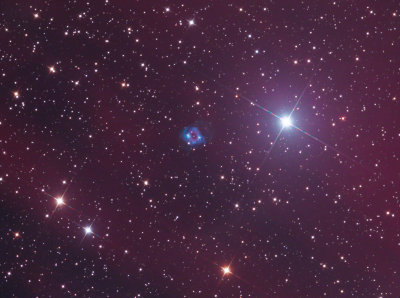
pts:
pixel 192 136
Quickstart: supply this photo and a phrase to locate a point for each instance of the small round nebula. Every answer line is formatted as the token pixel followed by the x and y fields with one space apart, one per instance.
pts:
pixel 192 136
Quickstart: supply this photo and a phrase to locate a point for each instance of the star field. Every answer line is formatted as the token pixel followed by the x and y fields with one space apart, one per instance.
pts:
pixel 200 149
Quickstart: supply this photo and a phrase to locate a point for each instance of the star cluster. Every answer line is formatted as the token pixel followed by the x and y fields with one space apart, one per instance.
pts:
pixel 199 149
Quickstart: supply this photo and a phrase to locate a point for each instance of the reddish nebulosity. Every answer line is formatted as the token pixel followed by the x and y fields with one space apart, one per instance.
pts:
pixel 105 103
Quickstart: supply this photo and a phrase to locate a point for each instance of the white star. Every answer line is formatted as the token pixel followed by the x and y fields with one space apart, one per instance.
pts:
pixel 60 201
pixel 88 230
pixel 286 122
pixel 191 22
pixel 226 270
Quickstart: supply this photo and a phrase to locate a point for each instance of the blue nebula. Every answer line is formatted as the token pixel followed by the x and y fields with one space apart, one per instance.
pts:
pixel 192 136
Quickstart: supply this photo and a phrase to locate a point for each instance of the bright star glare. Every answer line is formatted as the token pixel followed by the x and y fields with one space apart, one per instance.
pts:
pixel 226 270
pixel 59 201
pixel 286 122
pixel 88 230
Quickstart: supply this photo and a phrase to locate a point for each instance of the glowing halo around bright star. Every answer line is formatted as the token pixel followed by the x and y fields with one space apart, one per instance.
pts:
pixel 286 122
pixel 88 230
pixel 226 270
pixel 60 201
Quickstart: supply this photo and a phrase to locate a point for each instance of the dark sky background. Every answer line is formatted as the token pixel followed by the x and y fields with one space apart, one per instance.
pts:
pixel 95 96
